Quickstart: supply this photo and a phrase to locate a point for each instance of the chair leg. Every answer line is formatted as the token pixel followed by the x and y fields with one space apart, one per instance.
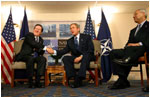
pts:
pixel 142 84
pixel 147 73
pixel 12 79
pixel 100 77
pixel 147 67
pixel 65 79
pixel 46 78
pixel 96 77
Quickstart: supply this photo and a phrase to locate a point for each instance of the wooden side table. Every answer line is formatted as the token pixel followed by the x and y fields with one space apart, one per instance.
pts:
pixel 54 70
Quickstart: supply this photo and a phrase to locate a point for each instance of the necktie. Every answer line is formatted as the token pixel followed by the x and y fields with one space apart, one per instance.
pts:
pixel 76 42
pixel 37 39
pixel 35 53
pixel 138 28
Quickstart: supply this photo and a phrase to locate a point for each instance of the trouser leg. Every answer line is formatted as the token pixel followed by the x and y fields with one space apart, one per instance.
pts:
pixel 41 64
pixel 69 66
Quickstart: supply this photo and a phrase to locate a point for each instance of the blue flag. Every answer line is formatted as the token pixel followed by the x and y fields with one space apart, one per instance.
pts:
pixel 106 45
pixel 88 29
pixel 24 28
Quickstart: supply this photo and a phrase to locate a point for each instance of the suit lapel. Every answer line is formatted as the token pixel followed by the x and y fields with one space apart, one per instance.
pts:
pixel 80 41
pixel 134 32
pixel 72 42
pixel 40 40
pixel 142 28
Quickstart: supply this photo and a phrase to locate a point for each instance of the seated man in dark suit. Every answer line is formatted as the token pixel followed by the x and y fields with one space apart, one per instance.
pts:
pixel 31 52
pixel 82 50
pixel 138 43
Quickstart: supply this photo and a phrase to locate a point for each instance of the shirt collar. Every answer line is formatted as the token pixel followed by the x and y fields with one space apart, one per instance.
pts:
pixel 36 36
pixel 78 36
pixel 142 23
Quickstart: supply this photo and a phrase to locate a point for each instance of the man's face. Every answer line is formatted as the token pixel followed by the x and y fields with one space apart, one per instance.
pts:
pixel 74 30
pixel 138 16
pixel 37 31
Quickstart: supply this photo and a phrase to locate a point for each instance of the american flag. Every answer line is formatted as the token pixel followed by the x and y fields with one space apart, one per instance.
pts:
pixel 89 26
pixel 88 29
pixel 7 46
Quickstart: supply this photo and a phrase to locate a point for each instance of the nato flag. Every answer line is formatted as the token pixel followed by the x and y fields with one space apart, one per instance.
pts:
pixel 106 45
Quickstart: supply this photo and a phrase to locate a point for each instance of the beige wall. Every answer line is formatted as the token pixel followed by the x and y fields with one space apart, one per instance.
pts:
pixel 120 26
pixel 120 29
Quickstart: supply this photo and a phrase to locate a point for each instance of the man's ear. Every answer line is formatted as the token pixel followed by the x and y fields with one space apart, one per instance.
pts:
pixel 79 29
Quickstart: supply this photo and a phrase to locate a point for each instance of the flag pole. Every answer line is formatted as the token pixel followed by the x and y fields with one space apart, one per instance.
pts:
pixel 10 9
pixel 24 8
pixel 88 8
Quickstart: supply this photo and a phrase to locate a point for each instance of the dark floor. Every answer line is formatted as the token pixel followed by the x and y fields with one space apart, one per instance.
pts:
pixel 58 90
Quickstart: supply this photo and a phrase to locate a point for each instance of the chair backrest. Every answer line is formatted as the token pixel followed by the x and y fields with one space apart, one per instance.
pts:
pixel 18 46
pixel 97 48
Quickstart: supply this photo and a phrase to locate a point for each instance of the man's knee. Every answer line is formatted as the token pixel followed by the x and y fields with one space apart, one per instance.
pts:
pixel 111 54
pixel 30 59
pixel 67 58
pixel 42 59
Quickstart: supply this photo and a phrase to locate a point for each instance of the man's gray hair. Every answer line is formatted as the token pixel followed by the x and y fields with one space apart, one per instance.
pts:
pixel 144 11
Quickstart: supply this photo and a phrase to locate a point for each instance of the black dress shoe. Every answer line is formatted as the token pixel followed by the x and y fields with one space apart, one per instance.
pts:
pixel 119 84
pixel 124 62
pixel 38 85
pixel 77 83
pixel 80 83
pixel 145 89
pixel 30 86
pixel 73 85
pixel 127 83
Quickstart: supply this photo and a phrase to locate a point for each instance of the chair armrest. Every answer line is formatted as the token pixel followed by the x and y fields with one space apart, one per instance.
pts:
pixel 146 59
pixel 14 54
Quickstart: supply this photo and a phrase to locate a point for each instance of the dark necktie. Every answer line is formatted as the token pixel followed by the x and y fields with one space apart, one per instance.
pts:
pixel 35 53
pixel 76 43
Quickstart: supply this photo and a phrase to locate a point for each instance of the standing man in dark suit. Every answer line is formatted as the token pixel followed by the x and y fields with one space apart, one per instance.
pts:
pixel 32 52
pixel 138 43
pixel 82 50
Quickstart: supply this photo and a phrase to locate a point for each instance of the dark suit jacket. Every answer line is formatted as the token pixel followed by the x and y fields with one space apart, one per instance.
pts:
pixel 86 47
pixel 141 36
pixel 30 46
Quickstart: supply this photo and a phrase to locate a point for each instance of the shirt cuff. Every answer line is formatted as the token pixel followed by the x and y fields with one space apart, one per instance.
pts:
pixel 44 48
pixel 55 53
pixel 140 43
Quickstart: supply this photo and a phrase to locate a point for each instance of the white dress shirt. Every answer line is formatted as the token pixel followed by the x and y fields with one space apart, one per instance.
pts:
pixel 78 37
